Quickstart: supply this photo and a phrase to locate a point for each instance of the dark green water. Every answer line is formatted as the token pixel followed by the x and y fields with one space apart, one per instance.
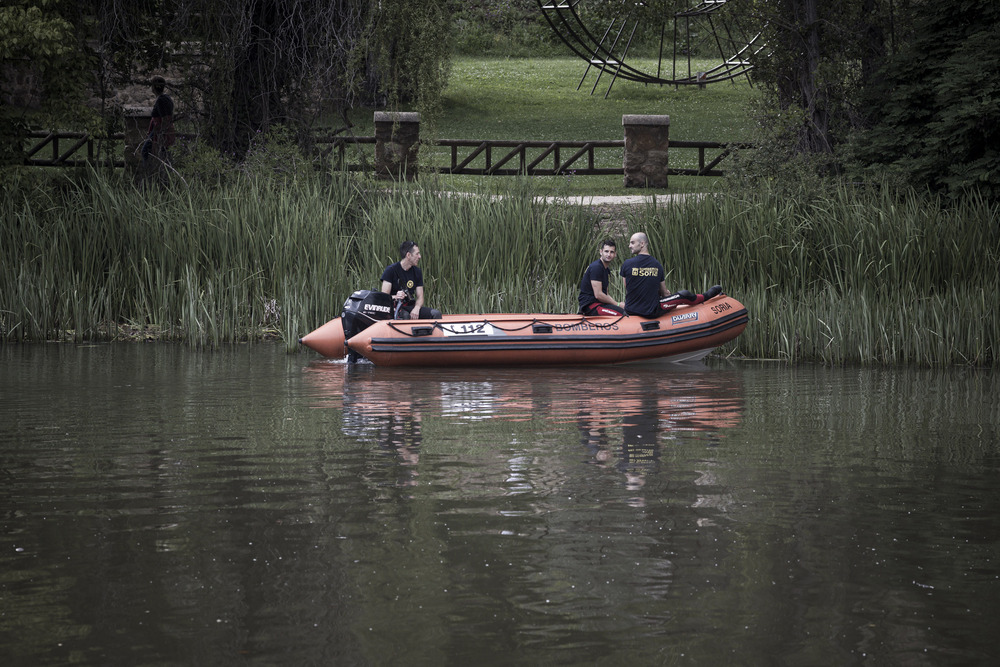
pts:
pixel 163 506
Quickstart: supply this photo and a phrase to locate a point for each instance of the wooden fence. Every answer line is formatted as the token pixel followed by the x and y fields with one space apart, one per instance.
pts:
pixel 530 157
pixel 467 156
pixel 61 156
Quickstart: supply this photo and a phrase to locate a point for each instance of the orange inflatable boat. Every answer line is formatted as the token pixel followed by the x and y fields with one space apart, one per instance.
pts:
pixel 687 333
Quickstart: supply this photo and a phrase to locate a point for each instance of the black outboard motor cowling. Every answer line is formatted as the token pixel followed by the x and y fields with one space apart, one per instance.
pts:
pixel 364 308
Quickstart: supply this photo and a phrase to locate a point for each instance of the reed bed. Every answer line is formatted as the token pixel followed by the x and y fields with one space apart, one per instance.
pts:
pixel 256 258
pixel 99 259
pixel 851 276
pixel 488 251
pixel 873 276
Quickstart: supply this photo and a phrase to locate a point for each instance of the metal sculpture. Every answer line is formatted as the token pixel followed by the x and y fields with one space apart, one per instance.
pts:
pixel 609 53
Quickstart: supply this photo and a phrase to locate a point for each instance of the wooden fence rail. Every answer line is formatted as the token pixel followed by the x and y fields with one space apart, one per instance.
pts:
pixel 581 161
pixel 467 156
pixel 68 157
pixel 574 164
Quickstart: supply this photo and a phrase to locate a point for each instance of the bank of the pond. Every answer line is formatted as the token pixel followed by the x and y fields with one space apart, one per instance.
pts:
pixel 871 277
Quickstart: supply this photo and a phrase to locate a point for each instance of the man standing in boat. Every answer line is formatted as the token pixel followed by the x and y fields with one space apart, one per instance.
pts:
pixel 644 277
pixel 405 282
pixel 594 299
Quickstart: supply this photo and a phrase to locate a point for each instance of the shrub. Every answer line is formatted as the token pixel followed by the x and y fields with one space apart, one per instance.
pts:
pixel 197 162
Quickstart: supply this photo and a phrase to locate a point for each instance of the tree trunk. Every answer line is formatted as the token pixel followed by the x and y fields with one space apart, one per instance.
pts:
pixel 799 88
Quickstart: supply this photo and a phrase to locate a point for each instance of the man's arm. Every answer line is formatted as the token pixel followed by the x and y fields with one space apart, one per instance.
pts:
pixel 418 293
pixel 600 295
pixel 663 288
pixel 387 287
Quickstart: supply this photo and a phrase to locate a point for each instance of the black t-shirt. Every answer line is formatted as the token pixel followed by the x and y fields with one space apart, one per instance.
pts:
pixel 408 281
pixel 161 125
pixel 643 276
pixel 163 107
pixel 596 271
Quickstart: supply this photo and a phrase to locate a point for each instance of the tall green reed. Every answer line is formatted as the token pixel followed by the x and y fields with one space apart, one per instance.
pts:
pixel 879 239
pixel 259 256
pixel 872 276
pixel 204 264
pixel 485 252
pixel 852 276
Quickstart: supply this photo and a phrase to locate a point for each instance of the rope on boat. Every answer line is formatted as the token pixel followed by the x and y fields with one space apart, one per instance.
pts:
pixel 442 327
pixel 536 321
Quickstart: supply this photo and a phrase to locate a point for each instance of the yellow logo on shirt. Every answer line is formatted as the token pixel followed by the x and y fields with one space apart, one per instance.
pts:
pixel 645 271
pixel 409 284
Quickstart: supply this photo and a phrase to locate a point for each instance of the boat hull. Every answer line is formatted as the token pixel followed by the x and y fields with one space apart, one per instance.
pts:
pixel 686 333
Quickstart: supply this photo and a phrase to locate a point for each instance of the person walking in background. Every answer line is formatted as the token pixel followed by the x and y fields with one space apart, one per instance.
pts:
pixel 594 299
pixel 161 125
pixel 404 281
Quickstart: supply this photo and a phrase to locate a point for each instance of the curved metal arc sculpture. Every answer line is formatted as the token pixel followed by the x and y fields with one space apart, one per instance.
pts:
pixel 609 53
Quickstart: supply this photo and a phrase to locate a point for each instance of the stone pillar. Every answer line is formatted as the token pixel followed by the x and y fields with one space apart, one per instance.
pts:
pixel 397 137
pixel 136 130
pixel 646 140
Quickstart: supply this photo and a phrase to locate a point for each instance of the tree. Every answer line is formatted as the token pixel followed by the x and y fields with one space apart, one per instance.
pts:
pixel 248 65
pixel 44 68
pixel 910 87
pixel 938 102
pixel 819 57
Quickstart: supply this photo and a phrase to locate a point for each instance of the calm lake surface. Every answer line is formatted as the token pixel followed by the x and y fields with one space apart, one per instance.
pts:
pixel 165 506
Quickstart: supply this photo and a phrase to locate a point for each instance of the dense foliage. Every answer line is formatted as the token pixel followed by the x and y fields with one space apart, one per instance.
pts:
pixel 43 50
pixel 908 87
pixel 237 68
pixel 937 119
pixel 502 28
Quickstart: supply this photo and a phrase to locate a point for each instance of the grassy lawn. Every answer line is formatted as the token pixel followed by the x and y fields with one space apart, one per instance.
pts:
pixel 537 99
pixel 534 98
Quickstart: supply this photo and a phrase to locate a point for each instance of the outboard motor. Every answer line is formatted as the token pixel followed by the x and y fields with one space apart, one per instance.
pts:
pixel 361 310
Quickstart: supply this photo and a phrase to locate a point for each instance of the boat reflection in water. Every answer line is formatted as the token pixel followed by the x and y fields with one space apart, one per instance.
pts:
pixel 624 414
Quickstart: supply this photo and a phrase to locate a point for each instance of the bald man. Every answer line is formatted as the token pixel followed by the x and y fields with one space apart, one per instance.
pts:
pixel 644 279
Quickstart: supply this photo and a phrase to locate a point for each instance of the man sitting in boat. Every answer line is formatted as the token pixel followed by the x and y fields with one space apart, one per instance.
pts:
pixel 645 290
pixel 405 282
pixel 645 287
pixel 594 299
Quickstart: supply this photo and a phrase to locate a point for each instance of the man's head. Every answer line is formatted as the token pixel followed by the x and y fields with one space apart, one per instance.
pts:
pixel 158 83
pixel 608 251
pixel 639 244
pixel 409 252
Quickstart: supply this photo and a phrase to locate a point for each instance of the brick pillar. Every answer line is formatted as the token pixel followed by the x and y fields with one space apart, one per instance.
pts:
pixel 646 141
pixel 397 137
